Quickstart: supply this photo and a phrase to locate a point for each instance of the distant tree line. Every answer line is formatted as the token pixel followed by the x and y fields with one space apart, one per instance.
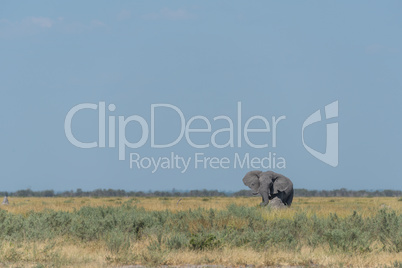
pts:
pixel 197 193
pixel 347 193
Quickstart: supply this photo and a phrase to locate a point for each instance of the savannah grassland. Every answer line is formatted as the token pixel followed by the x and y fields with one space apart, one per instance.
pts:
pixel 105 232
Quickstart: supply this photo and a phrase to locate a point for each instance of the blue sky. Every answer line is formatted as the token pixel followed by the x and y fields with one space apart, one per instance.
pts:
pixel 276 58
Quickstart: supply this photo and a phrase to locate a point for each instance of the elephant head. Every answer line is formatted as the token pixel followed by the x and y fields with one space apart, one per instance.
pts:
pixel 252 181
pixel 260 183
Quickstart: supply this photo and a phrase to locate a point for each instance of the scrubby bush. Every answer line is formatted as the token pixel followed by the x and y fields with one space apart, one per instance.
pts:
pixel 177 241
pixel 206 229
pixel 117 241
pixel 204 241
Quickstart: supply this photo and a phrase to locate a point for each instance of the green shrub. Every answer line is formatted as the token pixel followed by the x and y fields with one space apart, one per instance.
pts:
pixel 176 241
pixel 117 241
pixel 204 229
pixel 203 241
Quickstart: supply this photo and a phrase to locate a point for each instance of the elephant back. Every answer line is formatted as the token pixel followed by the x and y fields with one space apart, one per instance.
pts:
pixel 282 184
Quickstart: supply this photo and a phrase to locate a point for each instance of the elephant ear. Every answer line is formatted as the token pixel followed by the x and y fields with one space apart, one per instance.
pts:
pixel 250 176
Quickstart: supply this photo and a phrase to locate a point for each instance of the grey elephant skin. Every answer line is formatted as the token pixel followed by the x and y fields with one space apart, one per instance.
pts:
pixel 275 189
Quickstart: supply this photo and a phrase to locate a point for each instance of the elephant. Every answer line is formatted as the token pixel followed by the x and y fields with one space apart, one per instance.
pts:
pixel 271 186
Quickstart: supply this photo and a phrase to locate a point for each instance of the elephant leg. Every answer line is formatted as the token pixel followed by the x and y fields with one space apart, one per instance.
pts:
pixel 289 200
pixel 276 202
pixel 283 197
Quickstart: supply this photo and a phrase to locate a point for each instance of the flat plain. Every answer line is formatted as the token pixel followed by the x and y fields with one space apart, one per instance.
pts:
pixel 174 231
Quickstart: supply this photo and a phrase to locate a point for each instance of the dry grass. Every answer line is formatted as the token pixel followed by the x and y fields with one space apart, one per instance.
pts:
pixel 321 206
pixel 62 254
pixel 70 253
